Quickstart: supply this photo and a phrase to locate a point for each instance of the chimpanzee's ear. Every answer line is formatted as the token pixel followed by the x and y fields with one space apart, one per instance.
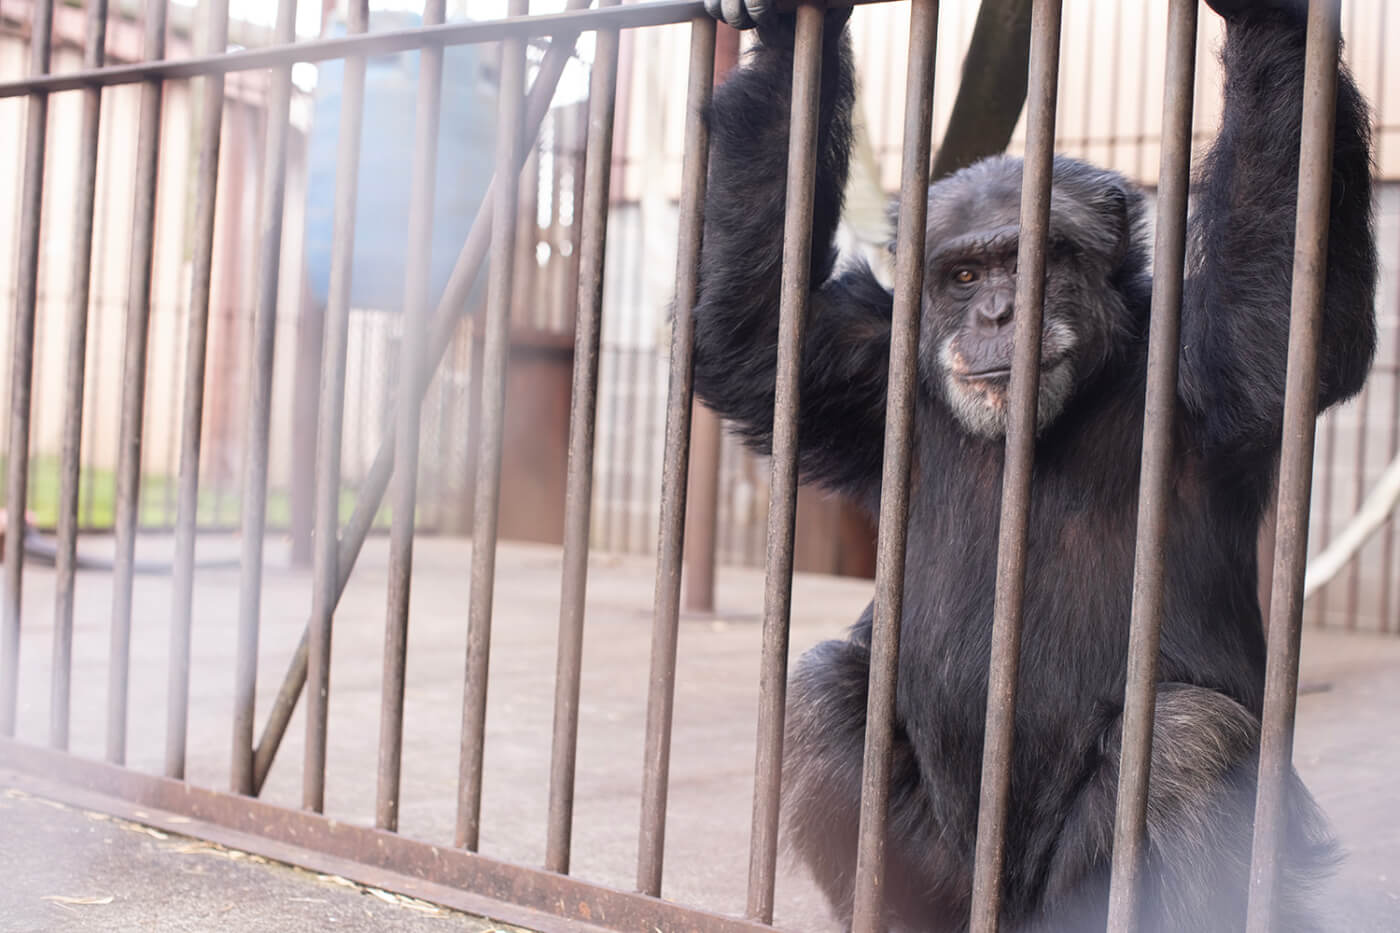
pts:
pixel 1120 211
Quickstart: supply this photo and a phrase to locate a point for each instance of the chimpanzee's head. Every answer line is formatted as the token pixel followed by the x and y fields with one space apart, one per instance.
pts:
pixel 970 285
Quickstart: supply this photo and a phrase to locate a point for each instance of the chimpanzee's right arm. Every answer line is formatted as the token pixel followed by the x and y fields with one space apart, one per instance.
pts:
pixel 845 359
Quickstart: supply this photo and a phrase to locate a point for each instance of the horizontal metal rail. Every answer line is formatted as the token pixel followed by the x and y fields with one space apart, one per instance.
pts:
pixel 543 900
pixel 660 13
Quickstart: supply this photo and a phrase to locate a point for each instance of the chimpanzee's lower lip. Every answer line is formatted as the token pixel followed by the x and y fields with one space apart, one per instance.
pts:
pixel 1003 373
pixel 987 375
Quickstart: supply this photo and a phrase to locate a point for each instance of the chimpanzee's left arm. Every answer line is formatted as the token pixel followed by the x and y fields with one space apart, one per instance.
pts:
pixel 1235 314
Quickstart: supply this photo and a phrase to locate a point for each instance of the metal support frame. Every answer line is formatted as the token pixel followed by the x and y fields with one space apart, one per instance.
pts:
pixel 546 898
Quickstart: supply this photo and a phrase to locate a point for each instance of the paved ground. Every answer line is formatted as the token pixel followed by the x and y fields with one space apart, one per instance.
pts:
pixel 77 870
pixel 1347 746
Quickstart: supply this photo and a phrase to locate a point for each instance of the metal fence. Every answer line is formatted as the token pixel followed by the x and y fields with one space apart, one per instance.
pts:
pixel 546 896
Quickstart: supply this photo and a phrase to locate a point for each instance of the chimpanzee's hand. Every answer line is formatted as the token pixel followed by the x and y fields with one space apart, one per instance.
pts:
pixel 774 19
pixel 1233 10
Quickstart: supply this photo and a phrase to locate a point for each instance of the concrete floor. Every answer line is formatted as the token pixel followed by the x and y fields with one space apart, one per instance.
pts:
pixel 120 876
pixel 1347 747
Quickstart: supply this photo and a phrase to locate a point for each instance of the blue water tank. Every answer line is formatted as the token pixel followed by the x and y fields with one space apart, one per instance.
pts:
pixel 464 165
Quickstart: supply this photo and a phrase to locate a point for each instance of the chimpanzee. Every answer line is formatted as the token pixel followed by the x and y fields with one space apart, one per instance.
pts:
pixel 1084 489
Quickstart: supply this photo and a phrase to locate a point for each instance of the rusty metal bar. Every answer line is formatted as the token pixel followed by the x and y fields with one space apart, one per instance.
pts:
pixel 661 684
pixel 541 900
pixel 1016 476
pixel 254 520
pixel 133 398
pixel 566 24
pixel 1296 462
pixel 192 410
pixel 592 223
pixel 1329 482
pixel 782 503
pixel 868 912
pixel 450 308
pixel 510 150
pixel 284 53
pixel 80 281
pixel 22 364
pixel 326 580
pixel 1154 495
pixel 413 382
pixel 1358 495
pixel 1378 103
pixel 702 528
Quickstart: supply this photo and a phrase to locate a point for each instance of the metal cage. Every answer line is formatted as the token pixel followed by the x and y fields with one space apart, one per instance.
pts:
pixel 546 896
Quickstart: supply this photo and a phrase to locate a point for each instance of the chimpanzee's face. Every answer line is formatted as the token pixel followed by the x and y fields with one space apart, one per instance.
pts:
pixel 970 278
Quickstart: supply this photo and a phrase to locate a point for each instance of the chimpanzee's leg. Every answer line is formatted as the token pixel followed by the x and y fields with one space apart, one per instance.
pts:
pixel 823 756
pixel 1200 812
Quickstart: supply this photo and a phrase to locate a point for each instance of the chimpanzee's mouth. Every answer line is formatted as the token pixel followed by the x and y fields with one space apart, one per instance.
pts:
pixel 1002 373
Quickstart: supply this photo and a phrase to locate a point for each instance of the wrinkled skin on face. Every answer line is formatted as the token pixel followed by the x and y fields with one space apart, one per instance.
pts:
pixel 969 301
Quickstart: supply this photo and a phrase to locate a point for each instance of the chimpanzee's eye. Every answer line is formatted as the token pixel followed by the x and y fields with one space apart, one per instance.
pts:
pixel 964 276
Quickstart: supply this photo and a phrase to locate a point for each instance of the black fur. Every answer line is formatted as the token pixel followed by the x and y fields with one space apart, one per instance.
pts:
pixel 1084 498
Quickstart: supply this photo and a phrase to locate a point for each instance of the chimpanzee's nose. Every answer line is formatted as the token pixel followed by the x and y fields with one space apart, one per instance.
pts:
pixel 997 311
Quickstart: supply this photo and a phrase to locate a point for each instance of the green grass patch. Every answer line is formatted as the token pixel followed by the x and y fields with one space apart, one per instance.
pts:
pixel 217 508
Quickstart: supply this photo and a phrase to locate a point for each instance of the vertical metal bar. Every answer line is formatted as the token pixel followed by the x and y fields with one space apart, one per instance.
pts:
pixel 868 916
pixel 661 684
pixel 1115 68
pixel 80 281
pixel 1016 476
pixel 583 420
pixel 1329 480
pixel 706 437
pixel 509 152
pixel 527 239
pixel 578 171
pixel 22 363
pixel 782 504
pixel 1296 463
pixel 413 383
pixel 1387 620
pixel 192 409
pixel 326 583
pixel 1154 497
pixel 1378 103
pixel 133 398
pixel 449 309
pixel 252 528
pixel 1358 493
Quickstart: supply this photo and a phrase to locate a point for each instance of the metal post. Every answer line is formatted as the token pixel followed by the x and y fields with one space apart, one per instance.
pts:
pixel 192 411
pixel 661 684
pixel 412 384
pixel 133 398
pixel 510 150
pixel 254 520
pixel 327 583
pixel 706 437
pixel 583 420
pixel 1016 476
pixel 1155 492
pixel 22 364
pixel 1296 462
pixel 868 912
pixel 65 569
pixel 782 504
